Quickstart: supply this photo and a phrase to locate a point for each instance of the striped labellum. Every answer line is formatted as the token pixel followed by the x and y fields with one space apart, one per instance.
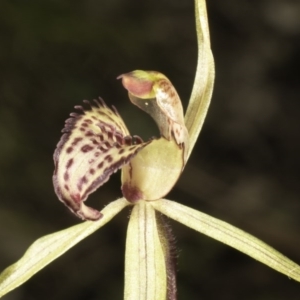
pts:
pixel 96 143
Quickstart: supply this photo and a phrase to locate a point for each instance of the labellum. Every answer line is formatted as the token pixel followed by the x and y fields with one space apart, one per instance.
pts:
pixel 96 143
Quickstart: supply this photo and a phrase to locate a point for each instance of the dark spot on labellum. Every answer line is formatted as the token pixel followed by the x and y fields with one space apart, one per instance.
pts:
pixel 121 151
pixel 88 121
pixel 128 140
pixel 86 148
pixel 66 187
pixel 108 158
pixel 89 133
pixel 92 171
pixel 94 142
pixel 119 139
pixel 76 141
pixel 103 149
pixel 110 135
pixel 81 182
pixel 138 140
pixel 97 153
pixel 84 125
pixel 66 176
pixel 69 149
pixel 82 129
pixel 69 163
pixel 100 165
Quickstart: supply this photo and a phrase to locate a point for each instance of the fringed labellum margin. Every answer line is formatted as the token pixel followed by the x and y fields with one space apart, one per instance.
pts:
pixel 96 143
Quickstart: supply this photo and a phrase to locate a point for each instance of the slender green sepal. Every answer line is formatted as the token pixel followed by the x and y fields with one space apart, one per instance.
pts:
pixel 145 271
pixel 48 248
pixel 229 235
pixel 204 78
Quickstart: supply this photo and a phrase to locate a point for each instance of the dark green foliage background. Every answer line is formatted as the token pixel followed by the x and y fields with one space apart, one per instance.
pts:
pixel 244 168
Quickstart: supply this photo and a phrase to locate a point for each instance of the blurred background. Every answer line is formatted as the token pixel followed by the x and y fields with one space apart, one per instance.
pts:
pixel 243 170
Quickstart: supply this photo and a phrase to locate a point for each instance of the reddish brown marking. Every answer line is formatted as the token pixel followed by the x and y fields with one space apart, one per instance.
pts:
pixel 138 140
pixel 121 151
pixel 66 176
pixel 86 148
pixel 108 158
pixel 76 141
pixel 119 139
pixel 131 193
pixel 66 187
pixel 81 182
pixel 97 153
pixel 128 140
pixel 69 149
pixel 88 121
pixel 84 124
pixel 92 171
pixel 103 149
pixel 110 135
pixel 130 170
pixel 69 163
pixel 76 198
pixel 100 165
pixel 82 129
pixel 89 133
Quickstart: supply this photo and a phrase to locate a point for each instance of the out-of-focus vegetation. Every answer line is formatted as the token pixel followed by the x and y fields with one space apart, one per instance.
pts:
pixel 244 169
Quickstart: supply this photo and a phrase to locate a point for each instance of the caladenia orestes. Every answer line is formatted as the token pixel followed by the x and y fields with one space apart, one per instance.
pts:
pixel 96 143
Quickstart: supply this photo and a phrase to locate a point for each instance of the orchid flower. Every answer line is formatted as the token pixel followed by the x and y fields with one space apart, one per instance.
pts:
pixel 97 143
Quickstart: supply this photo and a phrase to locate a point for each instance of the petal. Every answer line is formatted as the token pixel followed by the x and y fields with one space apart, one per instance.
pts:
pixel 94 145
pixel 229 235
pixel 46 249
pixel 204 79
